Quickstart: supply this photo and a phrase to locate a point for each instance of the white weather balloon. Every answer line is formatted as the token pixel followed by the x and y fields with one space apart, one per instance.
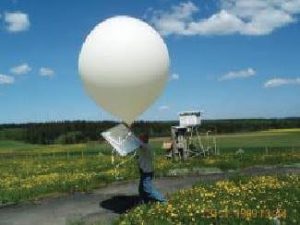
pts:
pixel 124 65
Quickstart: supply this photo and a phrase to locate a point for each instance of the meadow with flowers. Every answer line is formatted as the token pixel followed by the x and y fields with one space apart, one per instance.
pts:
pixel 245 200
pixel 28 172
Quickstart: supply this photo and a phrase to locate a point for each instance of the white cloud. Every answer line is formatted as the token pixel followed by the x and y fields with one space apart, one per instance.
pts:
pixel 164 108
pixel 5 79
pixel 174 76
pixel 277 82
pixel 175 20
pixel 255 17
pixel 46 72
pixel 249 72
pixel 16 21
pixel 21 69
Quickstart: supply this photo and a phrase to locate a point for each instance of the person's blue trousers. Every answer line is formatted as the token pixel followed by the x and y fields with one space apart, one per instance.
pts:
pixel 147 191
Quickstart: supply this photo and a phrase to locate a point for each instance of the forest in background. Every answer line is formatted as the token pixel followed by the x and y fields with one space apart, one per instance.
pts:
pixel 70 132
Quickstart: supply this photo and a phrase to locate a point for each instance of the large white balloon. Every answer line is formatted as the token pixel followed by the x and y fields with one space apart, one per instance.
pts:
pixel 124 64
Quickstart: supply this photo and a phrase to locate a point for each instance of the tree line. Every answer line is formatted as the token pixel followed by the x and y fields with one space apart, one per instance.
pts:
pixel 69 132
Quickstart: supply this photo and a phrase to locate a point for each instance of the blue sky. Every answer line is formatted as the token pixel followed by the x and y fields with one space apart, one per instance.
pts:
pixel 229 58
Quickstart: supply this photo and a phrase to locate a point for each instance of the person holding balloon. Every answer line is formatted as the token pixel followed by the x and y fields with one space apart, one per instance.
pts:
pixel 147 191
pixel 124 65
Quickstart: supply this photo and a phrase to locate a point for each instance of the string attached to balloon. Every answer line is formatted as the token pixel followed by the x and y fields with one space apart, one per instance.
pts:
pixel 117 166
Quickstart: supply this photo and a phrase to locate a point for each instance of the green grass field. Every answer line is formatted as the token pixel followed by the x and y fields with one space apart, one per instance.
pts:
pixel 30 171
pixel 282 138
pixel 263 200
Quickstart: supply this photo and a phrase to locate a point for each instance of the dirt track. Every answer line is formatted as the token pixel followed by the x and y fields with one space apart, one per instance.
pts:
pixel 108 203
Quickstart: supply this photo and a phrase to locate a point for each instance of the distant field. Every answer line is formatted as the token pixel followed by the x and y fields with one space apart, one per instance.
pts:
pixel 276 139
pixel 20 148
pixel 281 138
pixel 29 171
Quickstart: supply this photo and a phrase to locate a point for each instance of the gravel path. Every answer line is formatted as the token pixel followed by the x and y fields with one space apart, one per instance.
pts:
pixel 108 203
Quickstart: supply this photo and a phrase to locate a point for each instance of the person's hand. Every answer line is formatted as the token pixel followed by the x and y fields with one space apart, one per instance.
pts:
pixel 144 145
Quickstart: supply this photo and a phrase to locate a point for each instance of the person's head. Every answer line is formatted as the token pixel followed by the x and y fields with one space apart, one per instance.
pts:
pixel 144 138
